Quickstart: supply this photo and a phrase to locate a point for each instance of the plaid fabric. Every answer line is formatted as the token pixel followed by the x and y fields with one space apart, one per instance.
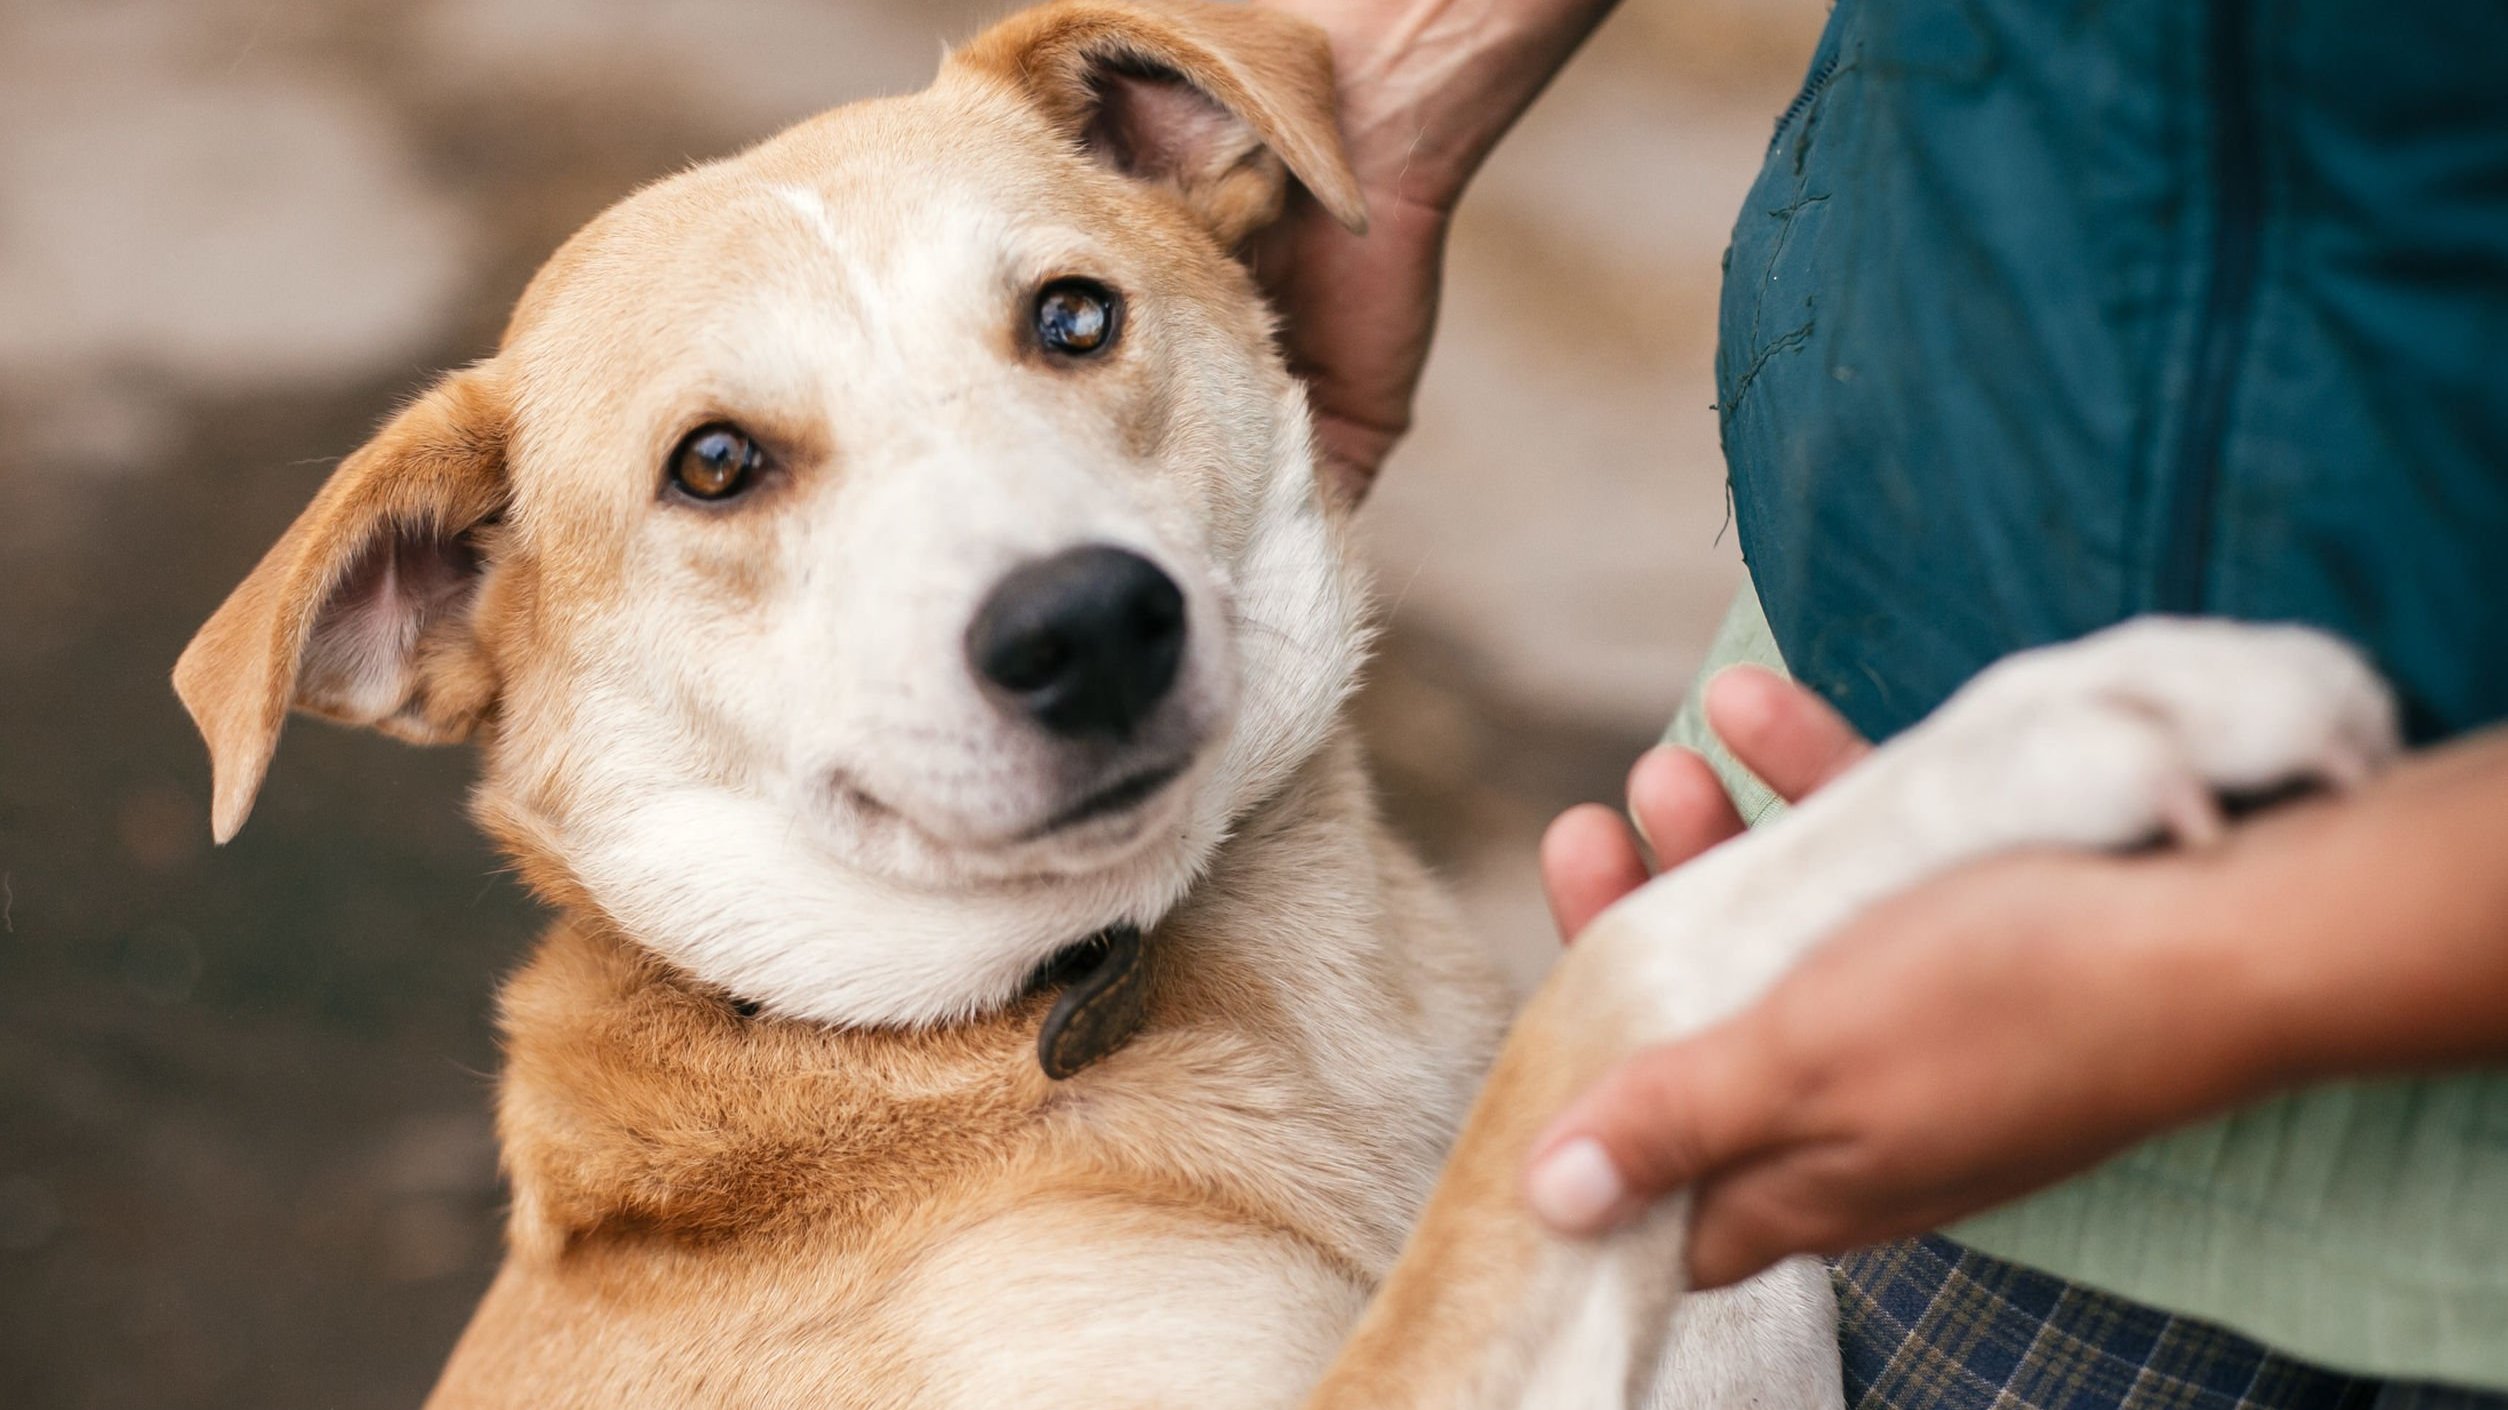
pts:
pixel 1931 1325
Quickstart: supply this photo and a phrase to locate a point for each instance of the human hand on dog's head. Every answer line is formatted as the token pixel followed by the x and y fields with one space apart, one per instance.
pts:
pixel 1426 89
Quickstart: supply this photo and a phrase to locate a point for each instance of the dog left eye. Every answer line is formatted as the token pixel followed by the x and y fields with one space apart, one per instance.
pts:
pixel 1077 317
pixel 716 462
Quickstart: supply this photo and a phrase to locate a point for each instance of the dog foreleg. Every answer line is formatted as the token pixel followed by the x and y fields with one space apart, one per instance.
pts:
pixel 2102 743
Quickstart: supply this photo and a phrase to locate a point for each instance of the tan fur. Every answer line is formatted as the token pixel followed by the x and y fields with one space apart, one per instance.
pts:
pixel 1276 77
pixel 437 469
pixel 693 1188
pixel 1462 1285
pixel 740 751
pixel 717 1207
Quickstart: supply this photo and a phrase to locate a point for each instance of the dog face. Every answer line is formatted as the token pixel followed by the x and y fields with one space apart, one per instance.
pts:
pixel 877 560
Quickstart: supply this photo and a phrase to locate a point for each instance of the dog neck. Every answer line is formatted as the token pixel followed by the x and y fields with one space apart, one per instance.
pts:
pixel 1101 1001
pixel 639 1101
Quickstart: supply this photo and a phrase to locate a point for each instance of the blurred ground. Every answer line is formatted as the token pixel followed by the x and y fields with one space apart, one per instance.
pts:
pixel 244 1156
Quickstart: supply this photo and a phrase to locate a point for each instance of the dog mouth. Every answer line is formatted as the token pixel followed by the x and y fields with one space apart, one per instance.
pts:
pixel 1126 794
pixel 1121 796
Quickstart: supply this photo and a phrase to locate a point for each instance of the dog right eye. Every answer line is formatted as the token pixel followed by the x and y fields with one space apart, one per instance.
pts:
pixel 716 462
pixel 1077 318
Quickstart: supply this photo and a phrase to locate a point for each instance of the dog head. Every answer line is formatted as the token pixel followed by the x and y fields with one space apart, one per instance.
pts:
pixel 879 559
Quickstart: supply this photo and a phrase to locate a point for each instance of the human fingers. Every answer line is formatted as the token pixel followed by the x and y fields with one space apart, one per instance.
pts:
pixel 1356 318
pixel 1667 1117
pixel 1807 1196
pixel 1791 738
pixel 1589 859
pixel 1679 804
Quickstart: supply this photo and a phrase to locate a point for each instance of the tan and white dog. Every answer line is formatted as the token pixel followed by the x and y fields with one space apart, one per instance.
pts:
pixel 887 577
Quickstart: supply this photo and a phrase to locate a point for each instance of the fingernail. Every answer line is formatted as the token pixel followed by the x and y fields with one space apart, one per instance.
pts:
pixel 1637 815
pixel 1575 1189
pixel 1739 671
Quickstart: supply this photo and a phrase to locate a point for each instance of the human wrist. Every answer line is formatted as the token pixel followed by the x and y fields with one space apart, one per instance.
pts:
pixel 1428 87
pixel 2212 1025
pixel 2376 926
pixel 2287 935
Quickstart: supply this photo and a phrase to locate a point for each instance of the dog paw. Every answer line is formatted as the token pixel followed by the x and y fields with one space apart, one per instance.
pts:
pixel 2139 731
pixel 1769 1343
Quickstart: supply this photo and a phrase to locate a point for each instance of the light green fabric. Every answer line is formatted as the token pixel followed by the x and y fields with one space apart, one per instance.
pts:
pixel 1744 637
pixel 2363 1227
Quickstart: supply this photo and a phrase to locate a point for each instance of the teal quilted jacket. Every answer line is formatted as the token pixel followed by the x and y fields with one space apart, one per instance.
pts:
pixel 2045 313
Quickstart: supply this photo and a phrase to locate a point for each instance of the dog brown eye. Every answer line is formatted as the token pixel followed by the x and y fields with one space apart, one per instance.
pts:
pixel 715 462
pixel 1076 317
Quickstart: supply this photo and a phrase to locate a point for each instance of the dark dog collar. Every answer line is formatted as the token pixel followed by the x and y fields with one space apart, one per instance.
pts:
pixel 1104 1000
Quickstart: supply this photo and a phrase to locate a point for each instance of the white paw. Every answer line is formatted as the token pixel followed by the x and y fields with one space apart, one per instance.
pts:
pixel 1766 1344
pixel 2135 731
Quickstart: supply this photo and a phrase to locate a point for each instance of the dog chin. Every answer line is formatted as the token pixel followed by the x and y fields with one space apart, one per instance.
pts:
pixel 1109 824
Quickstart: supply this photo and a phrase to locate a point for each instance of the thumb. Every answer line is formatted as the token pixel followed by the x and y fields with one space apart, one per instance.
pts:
pixel 1668 1117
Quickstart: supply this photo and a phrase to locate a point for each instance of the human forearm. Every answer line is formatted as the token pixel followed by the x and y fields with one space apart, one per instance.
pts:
pixel 1429 86
pixel 2368 937
pixel 2000 1028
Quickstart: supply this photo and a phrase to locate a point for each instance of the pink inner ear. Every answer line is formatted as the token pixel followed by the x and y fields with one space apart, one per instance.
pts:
pixel 359 660
pixel 1154 125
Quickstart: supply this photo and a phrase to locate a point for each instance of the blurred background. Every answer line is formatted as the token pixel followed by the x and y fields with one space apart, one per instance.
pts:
pixel 244 1147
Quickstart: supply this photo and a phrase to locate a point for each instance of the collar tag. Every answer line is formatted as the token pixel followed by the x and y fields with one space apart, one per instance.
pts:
pixel 1105 1000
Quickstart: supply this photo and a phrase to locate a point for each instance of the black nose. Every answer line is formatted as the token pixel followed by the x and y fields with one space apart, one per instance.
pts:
pixel 1086 641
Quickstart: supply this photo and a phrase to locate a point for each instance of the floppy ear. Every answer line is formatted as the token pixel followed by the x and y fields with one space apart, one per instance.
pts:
pixel 1208 100
pixel 361 611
